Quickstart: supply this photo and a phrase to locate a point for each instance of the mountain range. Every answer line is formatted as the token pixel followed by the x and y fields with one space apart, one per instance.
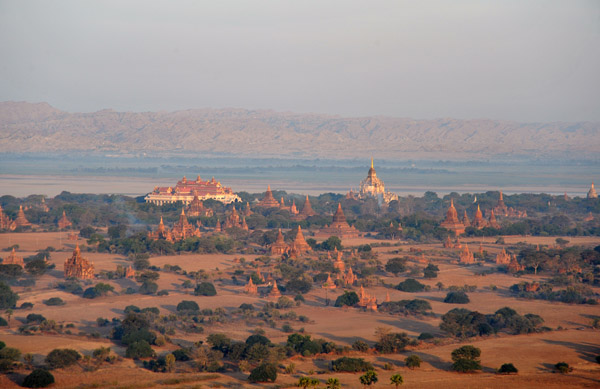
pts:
pixel 39 127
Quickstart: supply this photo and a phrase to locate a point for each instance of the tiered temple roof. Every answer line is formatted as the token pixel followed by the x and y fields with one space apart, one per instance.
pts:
pixel 13 259
pixel 233 220
pixel 129 272
pixel 197 208
pixel 514 266
pixel 465 220
pixel 328 284
pixel 5 222
pixel 279 247
pixel 451 222
pixel 366 301
pixel 78 267
pixel 592 193
pixel 503 258
pixel 349 278
pixel 339 264
pixel 372 186
pixel 466 256
pixel 21 220
pixel 307 210
pixel 478 221
pixel 268 201
pixel 275 292
pixel 182 229
pixel 492 220
pixel 250 287
pixel 185 191
pixel 299 243
pixel 339 226
pixel 501 208
pixel 64 222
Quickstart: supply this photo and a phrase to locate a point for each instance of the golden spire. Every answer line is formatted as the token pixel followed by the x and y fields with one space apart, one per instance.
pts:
pixel 371 162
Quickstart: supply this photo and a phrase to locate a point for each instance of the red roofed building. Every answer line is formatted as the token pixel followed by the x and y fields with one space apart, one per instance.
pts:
pixel 185 190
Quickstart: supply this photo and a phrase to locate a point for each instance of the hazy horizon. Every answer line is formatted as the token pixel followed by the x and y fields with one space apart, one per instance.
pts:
pixel 502 60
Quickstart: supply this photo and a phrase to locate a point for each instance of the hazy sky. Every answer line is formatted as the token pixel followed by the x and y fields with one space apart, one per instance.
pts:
pixel 500 59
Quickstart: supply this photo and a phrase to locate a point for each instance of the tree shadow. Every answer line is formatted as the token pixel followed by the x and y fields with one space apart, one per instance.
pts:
pixel 411 325
pixel 346 339
pixel 587 351
pixel 17 378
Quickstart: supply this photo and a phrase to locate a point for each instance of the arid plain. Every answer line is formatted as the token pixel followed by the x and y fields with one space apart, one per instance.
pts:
pixel 572 339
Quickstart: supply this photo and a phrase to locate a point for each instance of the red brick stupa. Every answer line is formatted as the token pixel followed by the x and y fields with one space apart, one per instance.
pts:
pixel 339 226
pixel 268 201
pixel 64 222
pixel 307 210
pixel 451 222
pixel 78 267
pixel 13 259
pixel 279 247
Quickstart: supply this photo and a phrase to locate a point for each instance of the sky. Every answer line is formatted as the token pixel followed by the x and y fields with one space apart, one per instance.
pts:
pixel 528 61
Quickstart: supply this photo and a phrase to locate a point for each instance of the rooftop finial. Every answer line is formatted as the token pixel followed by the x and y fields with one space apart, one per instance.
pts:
pixel 371 162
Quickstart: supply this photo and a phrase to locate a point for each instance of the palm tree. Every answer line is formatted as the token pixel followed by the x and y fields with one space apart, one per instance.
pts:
pixel 333 383
pixel 369 378
pixel 397 380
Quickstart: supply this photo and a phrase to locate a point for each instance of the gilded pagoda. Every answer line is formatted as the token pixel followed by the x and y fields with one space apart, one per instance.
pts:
pixel 372 186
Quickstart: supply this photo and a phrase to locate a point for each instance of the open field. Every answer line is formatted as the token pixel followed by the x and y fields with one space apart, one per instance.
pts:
pixel 576 343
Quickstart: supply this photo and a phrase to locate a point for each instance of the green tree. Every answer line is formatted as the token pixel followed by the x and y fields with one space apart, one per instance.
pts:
pixel 169 362
pixel 62 357
pixel 39 378
pixel 333 383
pixel 264 373
pixel 508 368
pixel 397 380
pixel 369 378
pixel 466 359
pixel 413 361
pixel 348 298
pixel 8 298
pixel 205 289
pixel 396 265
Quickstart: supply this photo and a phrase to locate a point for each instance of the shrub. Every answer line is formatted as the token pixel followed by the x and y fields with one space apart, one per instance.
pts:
pixel 205 289
pixel 413 361
pixel 352 365
pixel 298 286
pixel 264 373
pixel 26 305
pixel 508 368
pixel 431 271
pixel 39 378
pixel 348 298
pixel 410 285
pixel 62 357
pixel 148 287
pixel 34 318
pixel 425 336
pixel 187 305
pixel 54 301
pixel 139 349
pixel 457 298
pixel 392 342
pixel 361 346
pixel 132 308
pixel 182 355
pixel 396 265
pixel 563 367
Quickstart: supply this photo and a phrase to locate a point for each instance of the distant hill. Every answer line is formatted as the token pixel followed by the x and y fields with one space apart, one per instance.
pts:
pixel 27 127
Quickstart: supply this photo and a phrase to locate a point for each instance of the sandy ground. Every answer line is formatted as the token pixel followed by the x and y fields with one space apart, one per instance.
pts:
pixel 533 355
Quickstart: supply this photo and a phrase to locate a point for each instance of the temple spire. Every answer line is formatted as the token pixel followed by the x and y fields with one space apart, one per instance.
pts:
pixel 371 162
